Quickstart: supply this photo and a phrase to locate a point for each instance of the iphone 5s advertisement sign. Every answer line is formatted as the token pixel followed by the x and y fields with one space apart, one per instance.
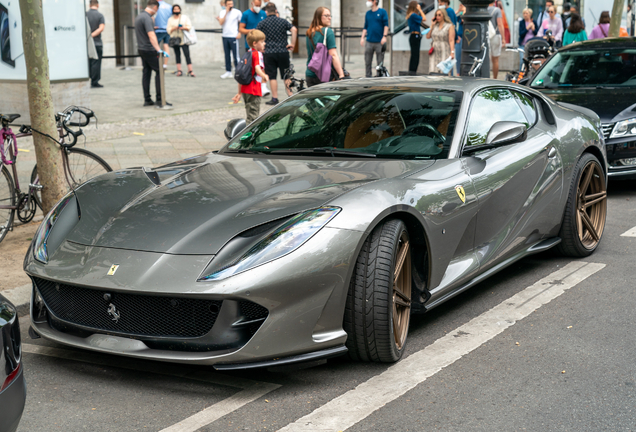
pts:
pixel 65 27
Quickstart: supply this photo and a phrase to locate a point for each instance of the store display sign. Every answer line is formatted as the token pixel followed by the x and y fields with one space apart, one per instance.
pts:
pixel 65 27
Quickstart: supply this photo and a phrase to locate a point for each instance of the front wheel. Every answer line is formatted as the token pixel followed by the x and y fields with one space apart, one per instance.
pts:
pixel 82 164
pixel 7 199
pixel 378 308
pixel 586 209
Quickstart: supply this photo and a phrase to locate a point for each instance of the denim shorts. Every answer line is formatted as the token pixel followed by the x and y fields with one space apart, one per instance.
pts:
pixel 162 38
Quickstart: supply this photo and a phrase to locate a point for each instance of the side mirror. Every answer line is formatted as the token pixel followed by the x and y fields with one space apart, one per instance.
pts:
pixel 506 132
pixel 234 127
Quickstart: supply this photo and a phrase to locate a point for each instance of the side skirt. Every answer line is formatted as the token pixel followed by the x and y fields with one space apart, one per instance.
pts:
pixel 541 246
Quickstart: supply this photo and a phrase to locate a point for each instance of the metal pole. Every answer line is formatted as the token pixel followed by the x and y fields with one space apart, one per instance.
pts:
pixel 475 34
pixel 126 60
pixel 162 81
pixel 348 47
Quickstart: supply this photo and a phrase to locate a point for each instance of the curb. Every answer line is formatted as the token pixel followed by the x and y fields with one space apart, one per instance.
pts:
pixel 20 297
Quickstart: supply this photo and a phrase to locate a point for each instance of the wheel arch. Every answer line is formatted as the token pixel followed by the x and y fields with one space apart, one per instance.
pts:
pixel 598 154
pixel 417 231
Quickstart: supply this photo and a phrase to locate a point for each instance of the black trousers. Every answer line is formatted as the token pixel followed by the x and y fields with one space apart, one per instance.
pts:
pixel 150 62
pixel 186 53
pixel 415 40
pixel 95 66
pixel 312 81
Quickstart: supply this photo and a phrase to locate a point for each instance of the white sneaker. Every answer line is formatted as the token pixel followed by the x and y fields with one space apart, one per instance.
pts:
pixel 226 75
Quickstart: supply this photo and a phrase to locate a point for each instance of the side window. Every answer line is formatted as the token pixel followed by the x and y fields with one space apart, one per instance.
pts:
pixel 489 107
pixel 527 106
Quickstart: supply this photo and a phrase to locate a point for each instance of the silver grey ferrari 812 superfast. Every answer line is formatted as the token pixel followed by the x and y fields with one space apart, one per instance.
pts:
pixel 320 227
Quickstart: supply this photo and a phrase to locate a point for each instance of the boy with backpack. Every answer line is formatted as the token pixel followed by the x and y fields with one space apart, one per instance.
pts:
pixel 249 74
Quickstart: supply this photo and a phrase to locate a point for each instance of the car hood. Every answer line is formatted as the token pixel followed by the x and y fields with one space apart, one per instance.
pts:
pixel 195 206
pixel 610 104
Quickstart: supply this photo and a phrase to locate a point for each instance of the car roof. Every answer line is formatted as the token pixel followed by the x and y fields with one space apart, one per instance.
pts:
pixel 464 84
pixel 618 42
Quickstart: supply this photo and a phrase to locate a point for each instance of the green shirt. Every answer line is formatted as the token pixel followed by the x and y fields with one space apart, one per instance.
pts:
pixel 569 38
pixel 319 38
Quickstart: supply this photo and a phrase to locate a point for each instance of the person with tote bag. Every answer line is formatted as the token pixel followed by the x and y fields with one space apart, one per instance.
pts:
pixel 179 24
pixel 321 44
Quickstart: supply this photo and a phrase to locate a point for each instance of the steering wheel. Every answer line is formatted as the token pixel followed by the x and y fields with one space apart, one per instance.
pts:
pixel 427 130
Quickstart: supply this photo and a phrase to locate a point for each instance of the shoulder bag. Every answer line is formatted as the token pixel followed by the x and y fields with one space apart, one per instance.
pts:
pixel 175 41
pixel 320 62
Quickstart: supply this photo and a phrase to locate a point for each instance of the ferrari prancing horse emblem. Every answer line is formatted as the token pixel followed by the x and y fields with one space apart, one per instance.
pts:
pixel 113 269
pixel 461 193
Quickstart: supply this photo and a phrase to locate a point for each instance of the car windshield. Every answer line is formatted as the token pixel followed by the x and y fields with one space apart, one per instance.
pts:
pixel 589 68
pixel 356 122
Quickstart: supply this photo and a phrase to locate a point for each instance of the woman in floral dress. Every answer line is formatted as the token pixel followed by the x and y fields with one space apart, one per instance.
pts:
pixel 443 40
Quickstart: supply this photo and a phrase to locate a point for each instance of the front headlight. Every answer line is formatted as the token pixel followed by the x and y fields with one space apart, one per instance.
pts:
pixel 40 251
pixel 287 238
pixel 624 128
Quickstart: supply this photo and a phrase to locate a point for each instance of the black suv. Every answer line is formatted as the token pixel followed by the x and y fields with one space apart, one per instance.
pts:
pixel 600 75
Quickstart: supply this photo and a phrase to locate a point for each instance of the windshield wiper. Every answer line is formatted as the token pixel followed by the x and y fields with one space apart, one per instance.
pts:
pixel 246 151
pixel 322 150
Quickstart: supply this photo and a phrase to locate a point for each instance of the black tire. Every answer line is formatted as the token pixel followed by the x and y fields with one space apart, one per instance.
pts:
pixel 83 165
pixel 585 210
pixel 371 305
pixel 7 197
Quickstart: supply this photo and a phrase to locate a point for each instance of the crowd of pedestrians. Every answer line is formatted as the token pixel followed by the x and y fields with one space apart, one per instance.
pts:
pixel 161 26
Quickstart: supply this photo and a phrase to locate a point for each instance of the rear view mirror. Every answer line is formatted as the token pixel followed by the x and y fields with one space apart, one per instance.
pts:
pixel 234 127
pixel 506 132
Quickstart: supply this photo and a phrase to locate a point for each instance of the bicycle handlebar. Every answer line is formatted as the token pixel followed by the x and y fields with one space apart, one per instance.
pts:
pixel 88 114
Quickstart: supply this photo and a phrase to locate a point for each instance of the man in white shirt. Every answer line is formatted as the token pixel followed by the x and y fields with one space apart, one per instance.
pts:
pixel 229 20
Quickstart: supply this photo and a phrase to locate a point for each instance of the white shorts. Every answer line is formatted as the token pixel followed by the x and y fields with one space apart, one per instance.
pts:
pixel 495 46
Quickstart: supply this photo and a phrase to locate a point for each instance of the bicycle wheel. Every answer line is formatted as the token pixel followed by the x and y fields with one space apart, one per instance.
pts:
pixel 7 198
pixel 83 165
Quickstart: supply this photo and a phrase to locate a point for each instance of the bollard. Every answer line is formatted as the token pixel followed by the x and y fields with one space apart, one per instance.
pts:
pixel 162 84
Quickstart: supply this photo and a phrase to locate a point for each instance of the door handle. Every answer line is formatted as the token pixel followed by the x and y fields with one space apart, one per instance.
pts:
pixel 552 153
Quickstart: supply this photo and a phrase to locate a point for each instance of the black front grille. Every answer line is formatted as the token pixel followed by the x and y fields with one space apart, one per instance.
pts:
pixel 607 129
pixel 253 311
pixel 141 315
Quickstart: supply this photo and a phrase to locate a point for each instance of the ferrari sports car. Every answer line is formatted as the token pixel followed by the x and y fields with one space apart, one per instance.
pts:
pixel 322 226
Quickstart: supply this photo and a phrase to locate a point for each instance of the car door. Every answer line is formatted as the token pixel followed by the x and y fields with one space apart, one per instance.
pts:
pixel 518 185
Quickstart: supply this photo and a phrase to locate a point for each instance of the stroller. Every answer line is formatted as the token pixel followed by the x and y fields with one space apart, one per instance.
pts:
pixel 536 52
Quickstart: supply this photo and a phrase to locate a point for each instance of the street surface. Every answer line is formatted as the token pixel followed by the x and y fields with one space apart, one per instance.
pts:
pixel 546 344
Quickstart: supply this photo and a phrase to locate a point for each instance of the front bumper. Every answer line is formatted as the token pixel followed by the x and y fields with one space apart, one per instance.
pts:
pixel 303 292
pixel 619 149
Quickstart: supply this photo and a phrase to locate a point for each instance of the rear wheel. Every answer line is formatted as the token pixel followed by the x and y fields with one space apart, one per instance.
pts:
pixel 7 198
pixel 586 209
pixel 83 165
pixel 378 308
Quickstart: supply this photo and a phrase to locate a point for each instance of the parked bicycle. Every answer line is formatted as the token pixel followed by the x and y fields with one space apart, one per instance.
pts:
pixel 295 85
pixel 478 62
pixel 79 165
pixel 382 70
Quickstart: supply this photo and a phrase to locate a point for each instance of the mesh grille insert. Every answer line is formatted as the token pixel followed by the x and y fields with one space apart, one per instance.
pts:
pixel 142 315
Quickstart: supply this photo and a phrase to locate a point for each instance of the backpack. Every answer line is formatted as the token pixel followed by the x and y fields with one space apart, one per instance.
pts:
pixel 243 73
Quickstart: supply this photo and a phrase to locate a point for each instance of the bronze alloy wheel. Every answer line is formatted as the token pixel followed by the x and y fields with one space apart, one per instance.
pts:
pixel 378 308
pixel 585 210
pixel 402 292
pixel 591 205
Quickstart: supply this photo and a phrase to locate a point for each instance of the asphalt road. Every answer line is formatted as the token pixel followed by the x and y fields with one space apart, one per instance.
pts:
pixel 566 364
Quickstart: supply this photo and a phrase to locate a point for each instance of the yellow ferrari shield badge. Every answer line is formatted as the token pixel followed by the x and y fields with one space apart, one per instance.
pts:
pixel 113 269
pixel 461 193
